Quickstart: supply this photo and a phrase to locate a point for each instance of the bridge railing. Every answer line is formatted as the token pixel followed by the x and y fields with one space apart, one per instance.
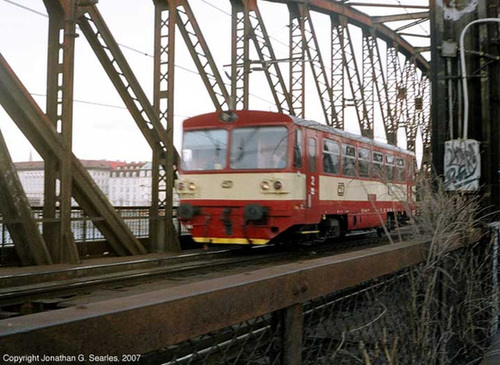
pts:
pixel 437 311
pixel 83 228
pixel 401 303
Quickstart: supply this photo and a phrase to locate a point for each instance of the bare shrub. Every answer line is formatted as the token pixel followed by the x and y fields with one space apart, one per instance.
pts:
pixel 447 307
pixel 449 310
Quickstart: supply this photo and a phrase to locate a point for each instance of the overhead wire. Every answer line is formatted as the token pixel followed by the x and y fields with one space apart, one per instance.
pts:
pixel 179 66
pixel 26 8
pixel 127 47
pixel 410 14
pixel 229 14
pixel 217 8
pixel 101 104
pixel 120 44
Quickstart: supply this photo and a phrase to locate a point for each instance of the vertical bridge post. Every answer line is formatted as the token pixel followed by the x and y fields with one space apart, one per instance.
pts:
pixel 57 199
pixel 293 324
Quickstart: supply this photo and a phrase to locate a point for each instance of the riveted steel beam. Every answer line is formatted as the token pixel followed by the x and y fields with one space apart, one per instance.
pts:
pixel 394 94
pixel 338 70
pixel 61 55
pixel 344 63
pixel 56 24
pixel 402 97
pixel 240 67
pixel 17 215
pixel 267 57
pixel 368 81
pixel 400 17
pixel 416 35
pixel 425 121
pixel 412 24
pixel 388 5
pixel 315 60
pixel 354 79
pixel 410 115
pixel 297 61
pixel 490 106
pixel 293 328
pixel 40 131
pixel 379 78
pixel 156 126
pixel 363 20
pixel 197 46
pixel 116 66
pixel 248 25
pixel 162 231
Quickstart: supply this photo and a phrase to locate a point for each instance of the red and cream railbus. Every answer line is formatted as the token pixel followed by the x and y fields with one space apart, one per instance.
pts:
pixel 250 177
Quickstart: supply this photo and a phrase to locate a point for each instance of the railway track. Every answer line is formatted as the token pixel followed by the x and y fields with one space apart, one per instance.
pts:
pixel 60 288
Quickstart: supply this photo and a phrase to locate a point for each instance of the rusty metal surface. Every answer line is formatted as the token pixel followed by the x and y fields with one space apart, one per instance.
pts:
pixel 293 326
pixel 60 81
pixel 162 235
pixel 394 319
pixel 14 207
pixel 143 323
pixel 247 26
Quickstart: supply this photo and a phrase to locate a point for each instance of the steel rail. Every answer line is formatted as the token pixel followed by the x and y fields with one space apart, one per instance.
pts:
pixel 27 293
pixel 27 276
pixel 25 286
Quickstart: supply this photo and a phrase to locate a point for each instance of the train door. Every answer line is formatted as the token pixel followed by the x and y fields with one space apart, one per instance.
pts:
pixel 299 158
pixel 312 173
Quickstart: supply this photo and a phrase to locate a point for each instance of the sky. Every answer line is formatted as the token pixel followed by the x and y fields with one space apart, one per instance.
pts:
pixel 102 126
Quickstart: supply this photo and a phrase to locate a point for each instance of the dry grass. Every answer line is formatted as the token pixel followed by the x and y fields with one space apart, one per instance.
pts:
pixel 448 309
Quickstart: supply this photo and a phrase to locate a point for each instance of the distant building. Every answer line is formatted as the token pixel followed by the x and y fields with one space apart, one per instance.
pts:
pixel 125 184
pixel 31 175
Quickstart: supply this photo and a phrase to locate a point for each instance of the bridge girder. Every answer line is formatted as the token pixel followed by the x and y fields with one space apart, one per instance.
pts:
pixel 401 93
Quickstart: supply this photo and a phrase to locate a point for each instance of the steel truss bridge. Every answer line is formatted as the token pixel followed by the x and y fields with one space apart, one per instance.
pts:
pixel 378 77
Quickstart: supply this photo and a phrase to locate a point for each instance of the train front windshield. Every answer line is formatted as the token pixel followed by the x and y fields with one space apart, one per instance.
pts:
pixel 204 150
pixel 251 148
pixel 259 148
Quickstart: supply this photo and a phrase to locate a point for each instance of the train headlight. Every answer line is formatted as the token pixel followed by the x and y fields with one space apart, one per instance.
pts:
pixel 265 185
pixel 277 185
pixel 192 186
pixel 180 186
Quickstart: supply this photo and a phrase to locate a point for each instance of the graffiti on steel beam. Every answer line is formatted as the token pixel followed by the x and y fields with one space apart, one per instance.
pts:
pixel 462 165
pixel 455 9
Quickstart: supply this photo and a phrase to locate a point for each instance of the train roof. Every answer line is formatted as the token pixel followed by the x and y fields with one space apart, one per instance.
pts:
pixel 325 128
pixel 268 117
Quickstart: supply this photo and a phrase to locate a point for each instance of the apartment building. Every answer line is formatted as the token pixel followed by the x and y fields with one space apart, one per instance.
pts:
pixel 124 183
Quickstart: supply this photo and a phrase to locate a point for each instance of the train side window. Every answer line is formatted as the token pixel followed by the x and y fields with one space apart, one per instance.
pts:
pixel 331 157
pixel 364 162
pixel 297 153
pixel 400 169
pixel 389 167
pixel 377 165
pixel 312 154
pixel 348 160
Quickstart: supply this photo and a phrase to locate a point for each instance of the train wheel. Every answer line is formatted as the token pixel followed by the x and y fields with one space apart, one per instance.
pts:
pixel 331 228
